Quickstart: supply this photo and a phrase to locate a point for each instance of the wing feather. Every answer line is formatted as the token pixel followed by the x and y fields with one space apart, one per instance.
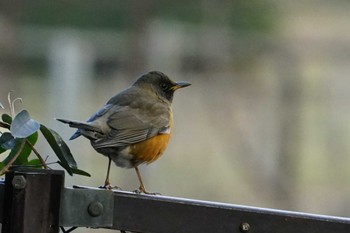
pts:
pixel 130 125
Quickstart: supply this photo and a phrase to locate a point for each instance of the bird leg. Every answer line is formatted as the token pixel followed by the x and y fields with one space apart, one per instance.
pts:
pixel 142 188
pixel 107 184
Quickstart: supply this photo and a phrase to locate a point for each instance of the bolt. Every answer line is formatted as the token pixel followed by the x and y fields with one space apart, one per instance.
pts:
pixel 244 227
pixel 19 182
pixel 95 209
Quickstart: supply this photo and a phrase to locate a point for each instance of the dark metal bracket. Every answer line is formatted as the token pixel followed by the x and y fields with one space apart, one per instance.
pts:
pixel 86 208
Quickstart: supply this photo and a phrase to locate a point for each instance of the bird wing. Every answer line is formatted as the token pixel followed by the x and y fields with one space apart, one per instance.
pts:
pixel 134 123
pixel 121 99
pixel 100 112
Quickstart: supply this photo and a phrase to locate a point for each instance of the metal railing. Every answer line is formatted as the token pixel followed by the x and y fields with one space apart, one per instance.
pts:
pixel 36 201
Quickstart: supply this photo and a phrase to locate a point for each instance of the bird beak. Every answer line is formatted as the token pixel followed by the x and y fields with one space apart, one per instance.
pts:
pixel 179 85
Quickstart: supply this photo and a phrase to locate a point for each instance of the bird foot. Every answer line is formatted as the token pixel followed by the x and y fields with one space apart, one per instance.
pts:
pixel 110 187
pixel 143 191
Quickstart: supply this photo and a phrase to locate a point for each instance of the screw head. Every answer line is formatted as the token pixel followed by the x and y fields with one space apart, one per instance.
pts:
pixel 95 209
pixel 244 227
pixel 19 182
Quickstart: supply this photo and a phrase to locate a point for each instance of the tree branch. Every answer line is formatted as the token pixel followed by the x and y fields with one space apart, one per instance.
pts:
pixel 37 154
pixel 5 169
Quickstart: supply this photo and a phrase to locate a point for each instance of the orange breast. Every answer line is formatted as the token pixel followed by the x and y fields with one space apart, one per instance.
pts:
pixel 151 149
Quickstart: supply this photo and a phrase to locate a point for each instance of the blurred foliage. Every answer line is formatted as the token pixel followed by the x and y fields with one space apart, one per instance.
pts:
pixel 21 139
pixel 132 18
pixel 238 14
pixel 252 15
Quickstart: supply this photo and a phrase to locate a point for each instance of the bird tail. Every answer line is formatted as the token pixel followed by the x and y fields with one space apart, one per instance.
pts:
pixel 80 126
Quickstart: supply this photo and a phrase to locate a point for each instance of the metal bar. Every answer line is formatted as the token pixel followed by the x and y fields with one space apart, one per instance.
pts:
pixel 145 213
pixel 92 207
pixel 32 201
pixel 155 213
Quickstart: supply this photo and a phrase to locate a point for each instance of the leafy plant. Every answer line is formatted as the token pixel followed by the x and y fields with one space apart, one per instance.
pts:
pixel 20 136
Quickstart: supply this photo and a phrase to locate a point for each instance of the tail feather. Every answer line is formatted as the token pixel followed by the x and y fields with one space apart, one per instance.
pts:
pixel 80 126
pixel 75 135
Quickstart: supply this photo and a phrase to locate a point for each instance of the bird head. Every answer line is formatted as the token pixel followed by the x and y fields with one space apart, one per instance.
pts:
pixel 160 84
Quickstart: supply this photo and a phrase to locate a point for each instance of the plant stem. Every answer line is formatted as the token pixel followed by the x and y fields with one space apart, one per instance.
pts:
pixel 5 169
pixel 37 154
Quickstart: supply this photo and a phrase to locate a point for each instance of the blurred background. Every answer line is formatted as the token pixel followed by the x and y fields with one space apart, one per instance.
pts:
pixel 266 122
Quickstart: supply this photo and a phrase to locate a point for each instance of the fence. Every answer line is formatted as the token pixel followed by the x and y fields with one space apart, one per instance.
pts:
pixel 36 201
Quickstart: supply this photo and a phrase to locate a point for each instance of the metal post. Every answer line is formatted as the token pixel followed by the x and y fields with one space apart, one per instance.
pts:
pixel 32 201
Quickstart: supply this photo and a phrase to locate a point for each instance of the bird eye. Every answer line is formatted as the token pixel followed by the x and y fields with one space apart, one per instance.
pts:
pixel 163 86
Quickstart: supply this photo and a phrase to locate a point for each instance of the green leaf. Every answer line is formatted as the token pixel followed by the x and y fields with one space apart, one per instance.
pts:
pixel 7 141
pixel 2 150
pixel 33 138
pixel 81 172
pixel 6 118
pixel 22 159
pixel 23 126
pixel 77 171
pixel 34 162
pixel 14 151
pixel 60 148
pixel 27 150
pixel 2 165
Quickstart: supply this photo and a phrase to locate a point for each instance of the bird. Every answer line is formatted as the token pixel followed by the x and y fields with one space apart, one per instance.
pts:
pixel 135 125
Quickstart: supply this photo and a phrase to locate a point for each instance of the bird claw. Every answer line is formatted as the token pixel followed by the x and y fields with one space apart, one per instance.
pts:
pixel 110 187
pixel 143 191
